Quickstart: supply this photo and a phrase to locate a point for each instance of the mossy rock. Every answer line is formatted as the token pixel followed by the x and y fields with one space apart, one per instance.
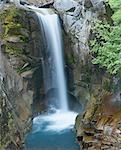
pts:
pixel 14 25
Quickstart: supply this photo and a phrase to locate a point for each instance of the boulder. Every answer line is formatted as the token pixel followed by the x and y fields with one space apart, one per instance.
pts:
pixel 62 5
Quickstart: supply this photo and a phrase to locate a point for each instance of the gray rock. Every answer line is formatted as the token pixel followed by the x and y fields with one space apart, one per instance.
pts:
pixel 62 5
pixel 77 22
pixel 99 6
pixel 13 39
pixel 88 4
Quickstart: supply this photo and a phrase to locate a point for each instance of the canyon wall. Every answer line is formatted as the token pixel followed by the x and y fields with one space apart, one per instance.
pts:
pixel 21 82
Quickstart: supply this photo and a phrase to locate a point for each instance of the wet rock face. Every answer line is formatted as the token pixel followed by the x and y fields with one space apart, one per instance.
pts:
pixel 21 80
pixel 77 16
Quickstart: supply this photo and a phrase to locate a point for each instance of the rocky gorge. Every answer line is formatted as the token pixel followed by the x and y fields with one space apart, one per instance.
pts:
pixel 21 58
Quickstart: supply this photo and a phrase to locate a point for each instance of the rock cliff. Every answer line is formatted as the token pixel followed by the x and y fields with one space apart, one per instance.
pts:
pixel 20 73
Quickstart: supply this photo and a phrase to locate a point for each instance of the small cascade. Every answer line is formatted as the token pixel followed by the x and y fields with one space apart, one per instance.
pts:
pixel 51 26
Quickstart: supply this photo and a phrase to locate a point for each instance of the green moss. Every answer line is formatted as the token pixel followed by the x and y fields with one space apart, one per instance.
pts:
pixel 6 123
pixel 24 39
pixel 9 20
pixel 10 121
pixel 70 59
pixel 10 49
pixel 107 85
pixel 12 23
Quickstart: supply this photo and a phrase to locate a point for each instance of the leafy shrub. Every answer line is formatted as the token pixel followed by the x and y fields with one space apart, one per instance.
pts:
pixel 106 45
pixel 116 6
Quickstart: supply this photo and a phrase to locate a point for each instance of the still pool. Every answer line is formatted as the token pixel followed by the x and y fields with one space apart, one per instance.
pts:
pixel 51 141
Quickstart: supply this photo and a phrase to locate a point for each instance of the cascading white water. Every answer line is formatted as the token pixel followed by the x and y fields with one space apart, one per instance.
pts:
pixel 52 31
pixel 60 118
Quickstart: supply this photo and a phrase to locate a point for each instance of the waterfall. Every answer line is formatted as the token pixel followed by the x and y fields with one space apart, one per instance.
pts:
pixel 61 118
pixel 51 26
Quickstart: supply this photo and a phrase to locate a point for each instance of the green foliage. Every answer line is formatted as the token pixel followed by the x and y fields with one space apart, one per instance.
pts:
pixel 70 59
pixel 24 38
pixel 116 6
pixel 12 50
pixel 106 45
